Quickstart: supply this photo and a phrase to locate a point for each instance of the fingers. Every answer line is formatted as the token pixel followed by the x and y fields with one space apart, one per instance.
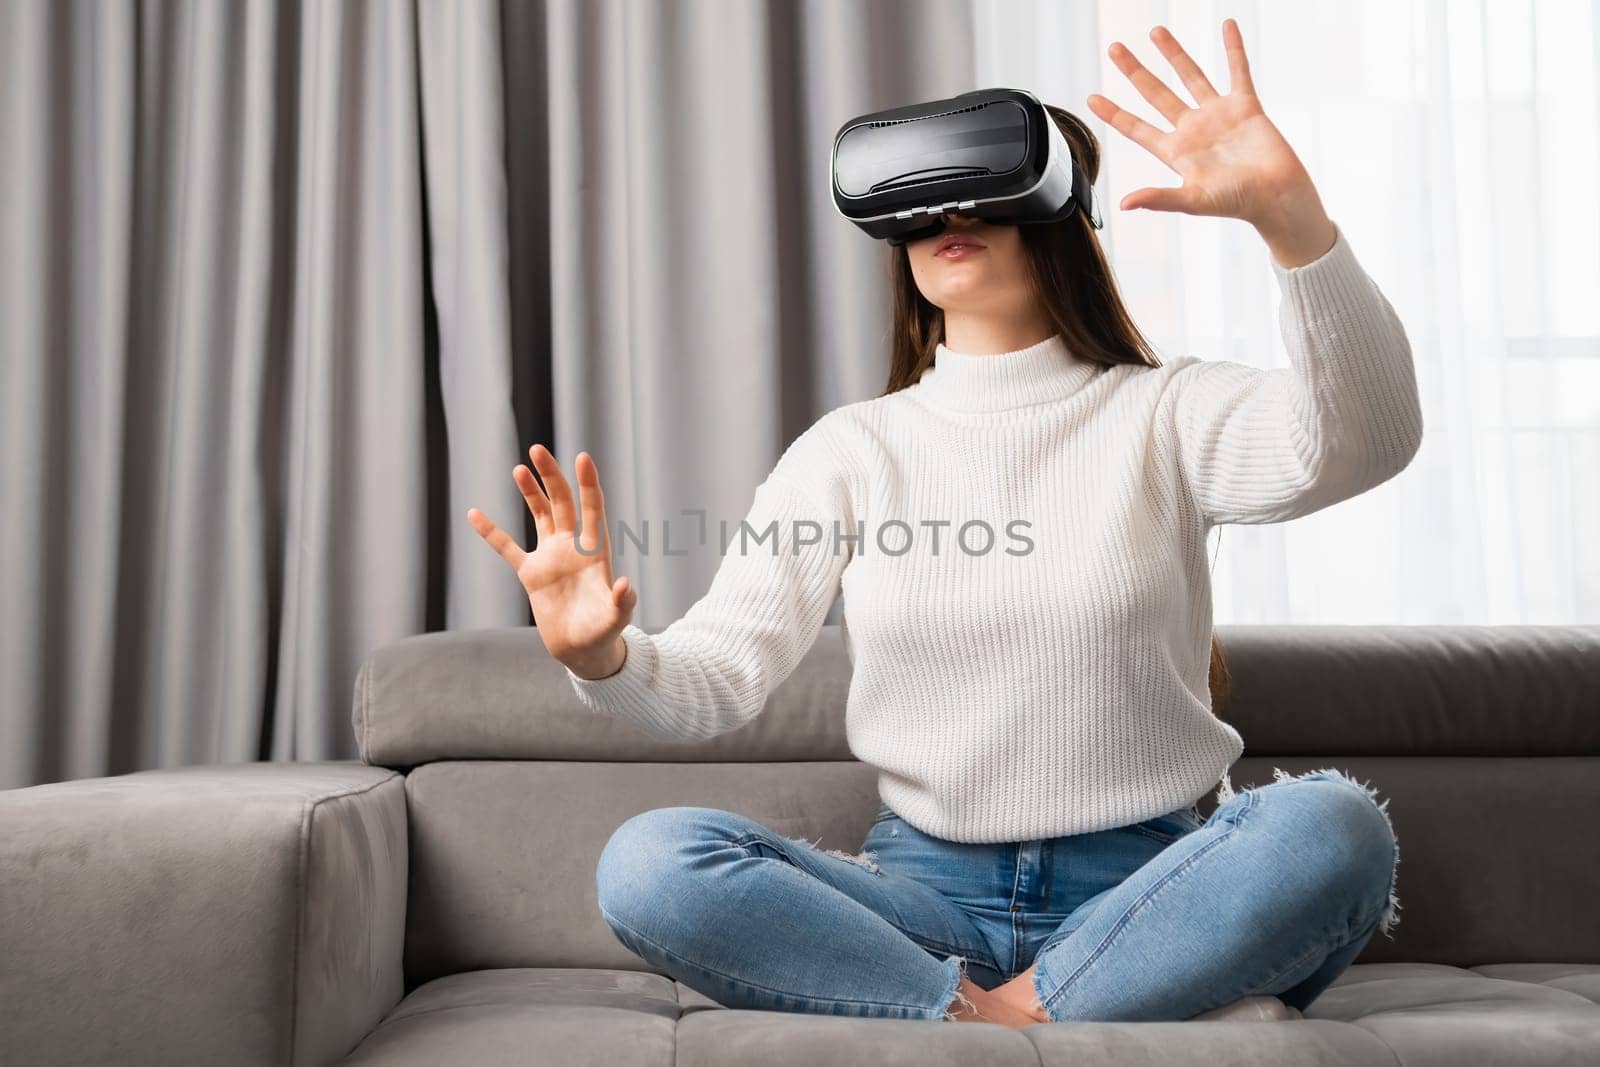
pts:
pixel 592 502
pixel 533 493
pixel 1128 124
pixel 1200 86
pixel 1158 198
pixel 498 539
pixel 624 594
pixel 1150 87
pixel 557 490
pixel 1239 80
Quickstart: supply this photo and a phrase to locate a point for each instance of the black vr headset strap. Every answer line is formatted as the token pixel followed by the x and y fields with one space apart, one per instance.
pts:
pixel 1082 189
pixel 1082 197
pixel 1083 194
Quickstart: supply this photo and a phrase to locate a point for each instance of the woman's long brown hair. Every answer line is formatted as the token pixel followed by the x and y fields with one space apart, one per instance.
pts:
pixel 1073 280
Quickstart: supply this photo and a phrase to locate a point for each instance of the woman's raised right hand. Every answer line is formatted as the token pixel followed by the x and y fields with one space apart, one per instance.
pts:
pixel 578 608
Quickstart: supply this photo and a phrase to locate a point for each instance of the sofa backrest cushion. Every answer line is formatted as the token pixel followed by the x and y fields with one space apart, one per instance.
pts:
pixel 1496 860
pixel 499 694
pixel 503 853
pixel 1368 690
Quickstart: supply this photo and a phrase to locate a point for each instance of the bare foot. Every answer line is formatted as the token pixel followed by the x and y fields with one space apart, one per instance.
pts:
pixel 974 1004
pixel 1019 995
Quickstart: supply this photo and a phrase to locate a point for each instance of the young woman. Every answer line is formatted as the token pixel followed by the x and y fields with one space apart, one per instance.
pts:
pixel 1031 634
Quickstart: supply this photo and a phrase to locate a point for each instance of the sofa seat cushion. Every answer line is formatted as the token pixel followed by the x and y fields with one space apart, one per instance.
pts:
pixel 571 1016
pixel 1580 978
pixel 1503 1013
pixel 1409 1014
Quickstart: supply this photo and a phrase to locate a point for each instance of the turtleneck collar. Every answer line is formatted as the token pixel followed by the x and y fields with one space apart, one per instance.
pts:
pixel 1046 371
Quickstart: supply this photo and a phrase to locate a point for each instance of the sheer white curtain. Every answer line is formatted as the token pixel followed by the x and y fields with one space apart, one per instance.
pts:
pixel 1455 144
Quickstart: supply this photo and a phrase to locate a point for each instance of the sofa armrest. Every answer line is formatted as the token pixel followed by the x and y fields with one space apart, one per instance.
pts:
pixel 241 914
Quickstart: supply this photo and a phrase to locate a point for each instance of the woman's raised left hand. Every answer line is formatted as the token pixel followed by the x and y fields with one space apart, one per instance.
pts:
pixel 1234 162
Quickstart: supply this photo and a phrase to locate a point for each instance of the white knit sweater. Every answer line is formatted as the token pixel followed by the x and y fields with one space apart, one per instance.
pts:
pixel 1056 683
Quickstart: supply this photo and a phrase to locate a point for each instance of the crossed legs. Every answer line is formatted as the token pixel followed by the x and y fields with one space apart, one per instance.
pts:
pixel 1275 895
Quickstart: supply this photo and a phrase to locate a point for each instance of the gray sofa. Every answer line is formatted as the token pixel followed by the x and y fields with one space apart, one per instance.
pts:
pixel 434 903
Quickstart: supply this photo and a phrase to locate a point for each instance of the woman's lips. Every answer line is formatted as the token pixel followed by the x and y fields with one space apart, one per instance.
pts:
pixel 959 251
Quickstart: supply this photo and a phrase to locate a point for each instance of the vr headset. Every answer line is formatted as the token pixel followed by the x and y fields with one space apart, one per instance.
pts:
pixel 993 154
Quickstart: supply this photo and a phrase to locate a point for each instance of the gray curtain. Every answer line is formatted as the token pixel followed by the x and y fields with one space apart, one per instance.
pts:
pixel 288 287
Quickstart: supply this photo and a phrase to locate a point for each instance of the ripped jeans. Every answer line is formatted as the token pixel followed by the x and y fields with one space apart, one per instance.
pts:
pixel 1276 893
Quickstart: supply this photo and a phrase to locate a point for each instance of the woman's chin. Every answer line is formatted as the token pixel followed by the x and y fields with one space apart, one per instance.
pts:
pixel 964 285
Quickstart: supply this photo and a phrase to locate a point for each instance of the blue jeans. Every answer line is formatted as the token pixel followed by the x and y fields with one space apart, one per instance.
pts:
pixel 1276 893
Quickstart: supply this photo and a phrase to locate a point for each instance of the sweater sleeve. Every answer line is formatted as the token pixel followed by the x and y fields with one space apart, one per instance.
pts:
pixel 712 670
pixel 1265 445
